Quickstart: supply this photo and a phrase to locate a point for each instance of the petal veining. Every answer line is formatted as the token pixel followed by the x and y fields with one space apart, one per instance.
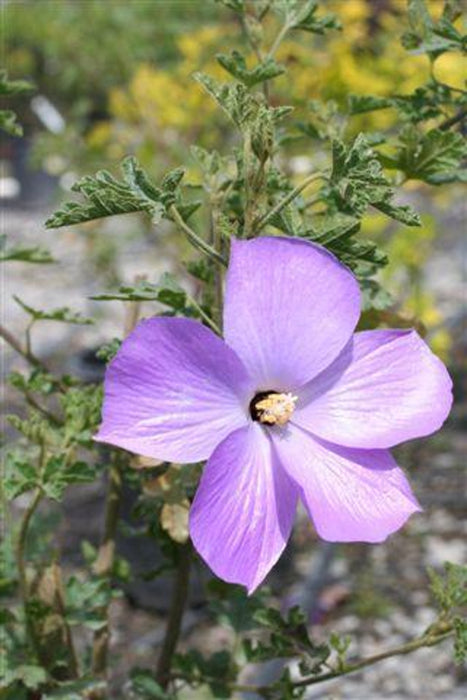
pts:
pixel 290 307
pixel 174 391
pixel 244 508
pixel 351 495
pixel 387 387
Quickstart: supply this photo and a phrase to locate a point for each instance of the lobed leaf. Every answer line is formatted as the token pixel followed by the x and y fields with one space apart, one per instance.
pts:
pixel 435 157
pixel 63 314
pixel 427 36
pixel 235 64
pixel 358 181
pixel 233 98
pixel 35 254
pixel 106 196
pixel 307 20
pixel 167 291
pixel 11 88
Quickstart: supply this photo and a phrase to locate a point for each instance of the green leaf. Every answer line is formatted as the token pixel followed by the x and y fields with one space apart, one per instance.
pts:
pixel 460 640
pixel 336 232
pixel 428 101
pixel 167 291
pixel 218 670
pixel 37 381
pixel 235 5
pixel 307 20
pixel 233 98
pixel 145 685
pixel 234 607
pixel 7 617
pixel 330 227
pixel 63 314
pixel 82 409
pixel 449 589
pixel 30 255
pixel 427 36
pixel 107 196
pixel 108 351
pixel 357 181
pixel 434 157
pixel 235 64
pixel 325 121
pixel 374 297
pixel 289 220
pixel 9 123
pixel 403 213
pixel 27 674
pixel 358 104
pixel 10 88
pixel 85 601
pixel 57 476
pixel 20 476
pixel 452 10
pixel 34 428
pixel 288 637
pixel 77 690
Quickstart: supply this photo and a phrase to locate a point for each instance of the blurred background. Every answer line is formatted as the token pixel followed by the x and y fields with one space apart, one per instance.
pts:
pixel 115 78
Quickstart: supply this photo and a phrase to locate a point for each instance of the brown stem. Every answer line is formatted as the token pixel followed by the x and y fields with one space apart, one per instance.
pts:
pixel 24 352
pixel 461 114
pixel 132 312
pixel 29 356
pixel 42 409
pixel 21 565
pixel 21 544
pixel 104 565
pixel 174 622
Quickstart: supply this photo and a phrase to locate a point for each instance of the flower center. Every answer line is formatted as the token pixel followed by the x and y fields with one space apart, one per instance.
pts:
pixel 272 407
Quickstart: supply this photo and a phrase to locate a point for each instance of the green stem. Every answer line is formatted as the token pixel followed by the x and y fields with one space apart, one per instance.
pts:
pixel 312 201
pixel 206 318
pixel 263 220
pixel 254 45
pixel 427 640
pixel 174 622
pixel 194 239
pixel 218 272
pixel 278 40
pixel 248 208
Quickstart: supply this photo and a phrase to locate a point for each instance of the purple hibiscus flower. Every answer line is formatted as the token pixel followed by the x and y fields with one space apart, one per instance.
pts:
pixel 291 405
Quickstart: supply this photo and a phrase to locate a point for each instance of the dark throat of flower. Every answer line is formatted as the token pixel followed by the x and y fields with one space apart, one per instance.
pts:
pixel 272 407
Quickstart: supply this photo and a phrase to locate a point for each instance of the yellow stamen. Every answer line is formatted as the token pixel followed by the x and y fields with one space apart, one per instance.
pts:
pixel 275 409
